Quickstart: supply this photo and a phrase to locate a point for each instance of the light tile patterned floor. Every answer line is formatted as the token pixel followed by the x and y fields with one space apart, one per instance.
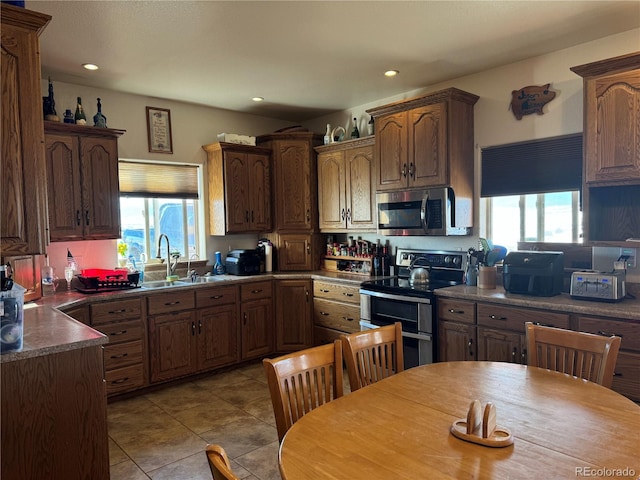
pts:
pixel 162 435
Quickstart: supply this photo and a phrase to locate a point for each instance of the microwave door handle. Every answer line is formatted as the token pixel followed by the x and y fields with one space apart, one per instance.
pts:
pixel 424 212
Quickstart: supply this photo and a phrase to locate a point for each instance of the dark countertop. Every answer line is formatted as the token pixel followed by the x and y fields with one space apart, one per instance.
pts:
pixel 626 308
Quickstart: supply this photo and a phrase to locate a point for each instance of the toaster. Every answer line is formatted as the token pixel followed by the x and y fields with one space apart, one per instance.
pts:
pixel 603 287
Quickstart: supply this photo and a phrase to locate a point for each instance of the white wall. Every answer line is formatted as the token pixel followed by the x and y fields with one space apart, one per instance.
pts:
pixel 495 124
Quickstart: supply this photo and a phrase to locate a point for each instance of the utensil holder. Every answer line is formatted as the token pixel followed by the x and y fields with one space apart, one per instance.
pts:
pixel 487 277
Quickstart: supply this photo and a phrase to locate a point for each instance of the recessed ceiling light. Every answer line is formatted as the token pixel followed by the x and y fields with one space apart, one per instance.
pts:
pixel 90 66
pixel 257 99
pixel 391 73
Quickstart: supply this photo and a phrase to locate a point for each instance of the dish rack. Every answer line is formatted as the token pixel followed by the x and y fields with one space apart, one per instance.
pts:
pixel 96 280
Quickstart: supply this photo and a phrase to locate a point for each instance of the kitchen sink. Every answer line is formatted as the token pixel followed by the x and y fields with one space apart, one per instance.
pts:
pixel 166 283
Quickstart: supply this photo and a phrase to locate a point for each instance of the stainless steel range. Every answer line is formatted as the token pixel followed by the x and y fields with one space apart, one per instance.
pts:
pixel 384 301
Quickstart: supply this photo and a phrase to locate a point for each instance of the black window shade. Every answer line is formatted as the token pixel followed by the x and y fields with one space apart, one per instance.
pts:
pixel 538 166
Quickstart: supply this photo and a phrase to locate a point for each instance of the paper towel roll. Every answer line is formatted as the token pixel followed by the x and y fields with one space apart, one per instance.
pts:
pixel 268 258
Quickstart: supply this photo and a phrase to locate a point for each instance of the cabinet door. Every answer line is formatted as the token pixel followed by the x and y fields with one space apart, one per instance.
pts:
pixel 293 315
pixel 360 189
pixel 236 191
pixel 332 207
pixel 391 149
pixel 23 223
pixel 457 342
pixel 295 208
pixel 428 146
pixel 66 213
pixel 259 194
pixel 172 339
pixel 100 187
pixel 257 328
pixel 500 346
pixel 613 127
pixel 295 252
pixel 217 336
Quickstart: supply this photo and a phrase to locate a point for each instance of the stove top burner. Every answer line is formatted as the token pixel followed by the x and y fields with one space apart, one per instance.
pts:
pixel 398 285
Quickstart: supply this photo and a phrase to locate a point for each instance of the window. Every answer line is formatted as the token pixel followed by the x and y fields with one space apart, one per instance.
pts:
pixel 159 199
pixel 532 190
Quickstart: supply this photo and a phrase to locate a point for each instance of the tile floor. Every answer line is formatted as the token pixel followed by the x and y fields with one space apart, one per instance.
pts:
pixel 163 434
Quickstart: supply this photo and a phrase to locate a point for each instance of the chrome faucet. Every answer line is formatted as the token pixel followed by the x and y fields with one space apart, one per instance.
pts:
pixel 158 255
pixel 192 273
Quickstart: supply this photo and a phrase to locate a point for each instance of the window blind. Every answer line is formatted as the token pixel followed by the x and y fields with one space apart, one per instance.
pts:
pixel 538 166
pixel 158 180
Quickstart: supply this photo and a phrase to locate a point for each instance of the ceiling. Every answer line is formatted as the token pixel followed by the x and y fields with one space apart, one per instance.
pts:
pixel 306 58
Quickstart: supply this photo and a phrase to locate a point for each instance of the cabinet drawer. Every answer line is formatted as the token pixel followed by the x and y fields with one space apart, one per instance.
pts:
pixel 628 331
pixel 122 354
pixel 626 379
pixel 210 297
pixel 337 291
pixel 108 312
pixel 252 291
pixel 323 335
pixel 125 379
pixel 123 332
pixel 338 316
pixel 456 310
pixel 508 318
pixel 171 302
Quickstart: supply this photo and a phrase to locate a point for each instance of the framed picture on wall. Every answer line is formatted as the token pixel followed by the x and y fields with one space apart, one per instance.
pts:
pixel 159 130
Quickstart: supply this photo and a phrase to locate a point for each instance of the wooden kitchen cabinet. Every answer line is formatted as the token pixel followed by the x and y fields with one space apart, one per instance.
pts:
pixel 218 327
pixel 256 312
pixel 457 332
pixel 611 140
pixel 294 321
pixel 82 179
pixel 346 188
pixel 239 178
pixel 336 310
pixel 126 354
pixel 426 142
pixel 23 195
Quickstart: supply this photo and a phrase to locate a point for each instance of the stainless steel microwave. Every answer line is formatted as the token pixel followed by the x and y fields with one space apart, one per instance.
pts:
pixel 424 212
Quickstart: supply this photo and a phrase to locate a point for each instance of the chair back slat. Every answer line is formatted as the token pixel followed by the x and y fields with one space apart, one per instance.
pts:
pixel 303 380
pixel 372 355
pixel 583 355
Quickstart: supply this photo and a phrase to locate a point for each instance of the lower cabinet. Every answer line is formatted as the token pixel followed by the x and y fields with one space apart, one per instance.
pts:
pixel 256 312
pixel 218 336
pixel 336 310
pixel 456 330
pixel 294 324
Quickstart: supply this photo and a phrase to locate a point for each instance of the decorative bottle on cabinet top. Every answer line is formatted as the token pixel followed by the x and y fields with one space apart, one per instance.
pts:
pixel 80 117
pixel 327 136
pixel 355 133
pixel 99 120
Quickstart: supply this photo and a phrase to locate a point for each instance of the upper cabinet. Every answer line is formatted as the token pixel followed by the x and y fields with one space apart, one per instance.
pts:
pixel 611 170
pixel 426 142
pixel 346 188
pixel 239 188
pixel 612 119
pixel 82 180
pixel 23 224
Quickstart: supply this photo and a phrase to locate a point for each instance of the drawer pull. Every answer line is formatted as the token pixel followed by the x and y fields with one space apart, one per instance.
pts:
pixel 347 319
pixel 169 304
pixel 324 313
pixel 259 290
pixel 607 334
pixel 347 294
pixel 113 312
pixel 121 332
pixel 544 324
pixel 616 374
pixel 120 380
pixel 216 297
pixel 324 291
pixel 122 355
pixel 493 317
pixel 451 310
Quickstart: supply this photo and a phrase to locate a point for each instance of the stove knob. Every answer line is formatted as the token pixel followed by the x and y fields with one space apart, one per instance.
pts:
pixel 456 260
pixel 447 260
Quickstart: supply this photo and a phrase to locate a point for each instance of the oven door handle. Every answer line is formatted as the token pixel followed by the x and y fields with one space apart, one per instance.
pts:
pixel 418 336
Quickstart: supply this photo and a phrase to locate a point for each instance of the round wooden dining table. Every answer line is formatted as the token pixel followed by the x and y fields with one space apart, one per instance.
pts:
pixel 399 428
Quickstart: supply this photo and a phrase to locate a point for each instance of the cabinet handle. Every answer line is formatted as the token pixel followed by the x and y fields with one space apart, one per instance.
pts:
pixel 325 314
pixel 470 344
pixel 193 329
pixel 78 220
pixel 308 215
pixel 347 294
pixel 544 324
pixel 86 217
pixel 607 334
pixel 113 312
pixel 308 248
pixel 216 297
pixel 122 355
pixel 412 171
pixel 348 214
pixel 513 354
pixel 324 291
pixel 167 304
pixel 347 319
pixel 493 317
pixel 119 381
pixel 524 357
pixel 404 170
pixel 121 332
pixel 460 312
pixel 306 292
pixel 244 318
pixel 246 216
pixel 257 291
pixel 199 327
pixel 252 217
pixel 342 214
pixel 616 374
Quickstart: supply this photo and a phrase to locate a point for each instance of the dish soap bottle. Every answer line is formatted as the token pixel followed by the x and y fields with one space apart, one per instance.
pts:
pixel 218 267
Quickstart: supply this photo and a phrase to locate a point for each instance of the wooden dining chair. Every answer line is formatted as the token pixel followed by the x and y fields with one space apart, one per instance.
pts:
pixel 372 355
pixel 580 354
pixel 303 380
pixel 219 463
